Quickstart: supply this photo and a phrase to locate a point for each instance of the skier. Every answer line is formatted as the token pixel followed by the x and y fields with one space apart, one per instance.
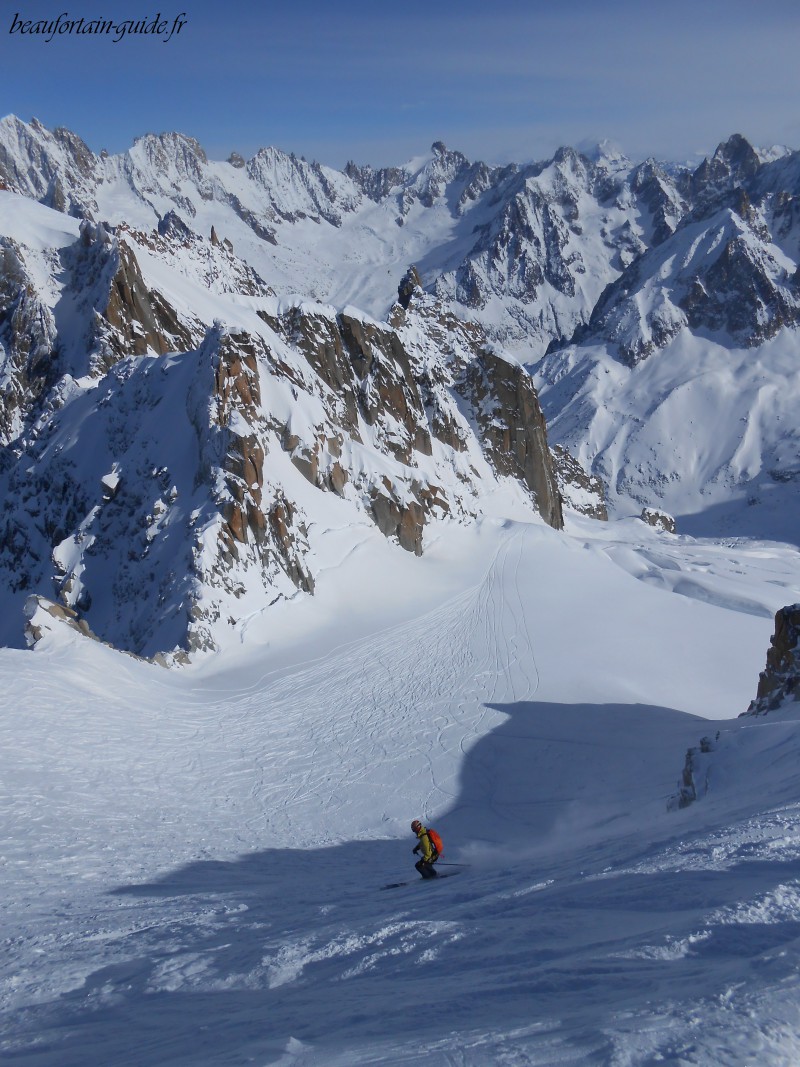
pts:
pixel 430 853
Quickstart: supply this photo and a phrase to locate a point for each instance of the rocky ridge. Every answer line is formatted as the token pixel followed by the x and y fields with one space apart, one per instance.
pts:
pixel 728 266
pixel 155 478
pixel 779 682
pixel 570 248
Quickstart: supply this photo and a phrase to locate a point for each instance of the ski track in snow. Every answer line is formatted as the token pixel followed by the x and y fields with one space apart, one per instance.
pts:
pixel 192 872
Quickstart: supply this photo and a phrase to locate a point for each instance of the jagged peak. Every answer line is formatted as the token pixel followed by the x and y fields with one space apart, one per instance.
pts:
pixel 35 130
pixel 568 154
pixel 273 160
pixel 272 153
pixel 409 284
pixel 171 143
pixel 736 149
pixel 733 160
pixel 12 121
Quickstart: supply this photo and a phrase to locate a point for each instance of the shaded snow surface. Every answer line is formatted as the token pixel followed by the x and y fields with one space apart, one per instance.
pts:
pixel 193 859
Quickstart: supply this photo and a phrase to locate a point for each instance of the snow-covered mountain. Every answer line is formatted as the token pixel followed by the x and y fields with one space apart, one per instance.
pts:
pixel 178 441
pixel 683 387
pixel 524 249
pixel 678 290
pixel 224 386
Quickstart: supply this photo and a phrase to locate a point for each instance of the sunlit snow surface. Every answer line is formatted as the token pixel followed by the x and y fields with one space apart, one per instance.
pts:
pixel 193 859
pixel 703 429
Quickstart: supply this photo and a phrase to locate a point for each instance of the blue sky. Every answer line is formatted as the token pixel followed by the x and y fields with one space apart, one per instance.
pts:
pixel 378 82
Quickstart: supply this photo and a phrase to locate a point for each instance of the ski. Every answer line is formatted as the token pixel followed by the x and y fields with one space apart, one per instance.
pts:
pixel 397 885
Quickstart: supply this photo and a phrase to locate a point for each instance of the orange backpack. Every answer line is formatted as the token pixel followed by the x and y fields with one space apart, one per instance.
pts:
pixel 436 841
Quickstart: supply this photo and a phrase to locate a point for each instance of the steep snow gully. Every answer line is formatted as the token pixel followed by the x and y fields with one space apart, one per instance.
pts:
pixel 193 859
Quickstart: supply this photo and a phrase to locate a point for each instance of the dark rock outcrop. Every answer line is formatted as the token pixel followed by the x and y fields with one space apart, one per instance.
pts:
pixel 265 530
pixel 695 777
pixel 141 320
pixel 745 294
pixel 779 682
pixel 661 520
pixel 733 164
pixel 580 491
pixel 386 386
pixel 410 284
pixel 28 342
pixel 512 426
pixel 499 394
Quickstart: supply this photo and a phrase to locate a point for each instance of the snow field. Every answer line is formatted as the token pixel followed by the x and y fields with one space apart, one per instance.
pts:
pixel 701 428
pixel 193 858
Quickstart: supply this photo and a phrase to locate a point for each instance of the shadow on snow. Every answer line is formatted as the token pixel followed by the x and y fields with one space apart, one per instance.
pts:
pixel 232 958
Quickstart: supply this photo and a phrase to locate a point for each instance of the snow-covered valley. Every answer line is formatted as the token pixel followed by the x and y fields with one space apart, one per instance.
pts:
pixel 194 858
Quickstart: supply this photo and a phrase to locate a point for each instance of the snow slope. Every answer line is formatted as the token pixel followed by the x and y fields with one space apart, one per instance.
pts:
pixel 194 859
pixel 702 429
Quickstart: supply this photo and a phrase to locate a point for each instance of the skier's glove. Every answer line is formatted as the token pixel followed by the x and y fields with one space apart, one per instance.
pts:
pixel 415 850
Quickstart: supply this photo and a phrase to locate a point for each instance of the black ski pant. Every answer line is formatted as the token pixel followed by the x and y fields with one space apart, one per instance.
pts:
pixel 426 869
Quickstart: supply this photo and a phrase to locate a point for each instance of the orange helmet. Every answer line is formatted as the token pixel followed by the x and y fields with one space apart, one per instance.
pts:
pixel 416 826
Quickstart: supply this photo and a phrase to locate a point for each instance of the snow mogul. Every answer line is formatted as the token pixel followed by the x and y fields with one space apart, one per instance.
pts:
pixel 430 845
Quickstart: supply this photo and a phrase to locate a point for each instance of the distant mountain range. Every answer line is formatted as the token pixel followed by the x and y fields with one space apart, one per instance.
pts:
pixel 206 365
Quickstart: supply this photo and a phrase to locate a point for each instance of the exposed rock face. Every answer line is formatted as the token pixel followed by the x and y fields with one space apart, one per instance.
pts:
pixel 746 294
pixel 27 342
pixel 404 521
pixel 42 614
pixel 237 391
pixel 513 429
pixel 404 399
pixel 500 394
pixel 173 226
pixel 251 521
pixel 695 776
pixel 410 284
pixel 779 683
pixel 580 491
pixel 717 262
pixel 662 198
pixel 122 317
pixel 56 167
pixel 659 519
pixel 376 184
pixel 734 163
pixel 106 311
pixel 141 320
pixel 389 397
pixel 315 192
